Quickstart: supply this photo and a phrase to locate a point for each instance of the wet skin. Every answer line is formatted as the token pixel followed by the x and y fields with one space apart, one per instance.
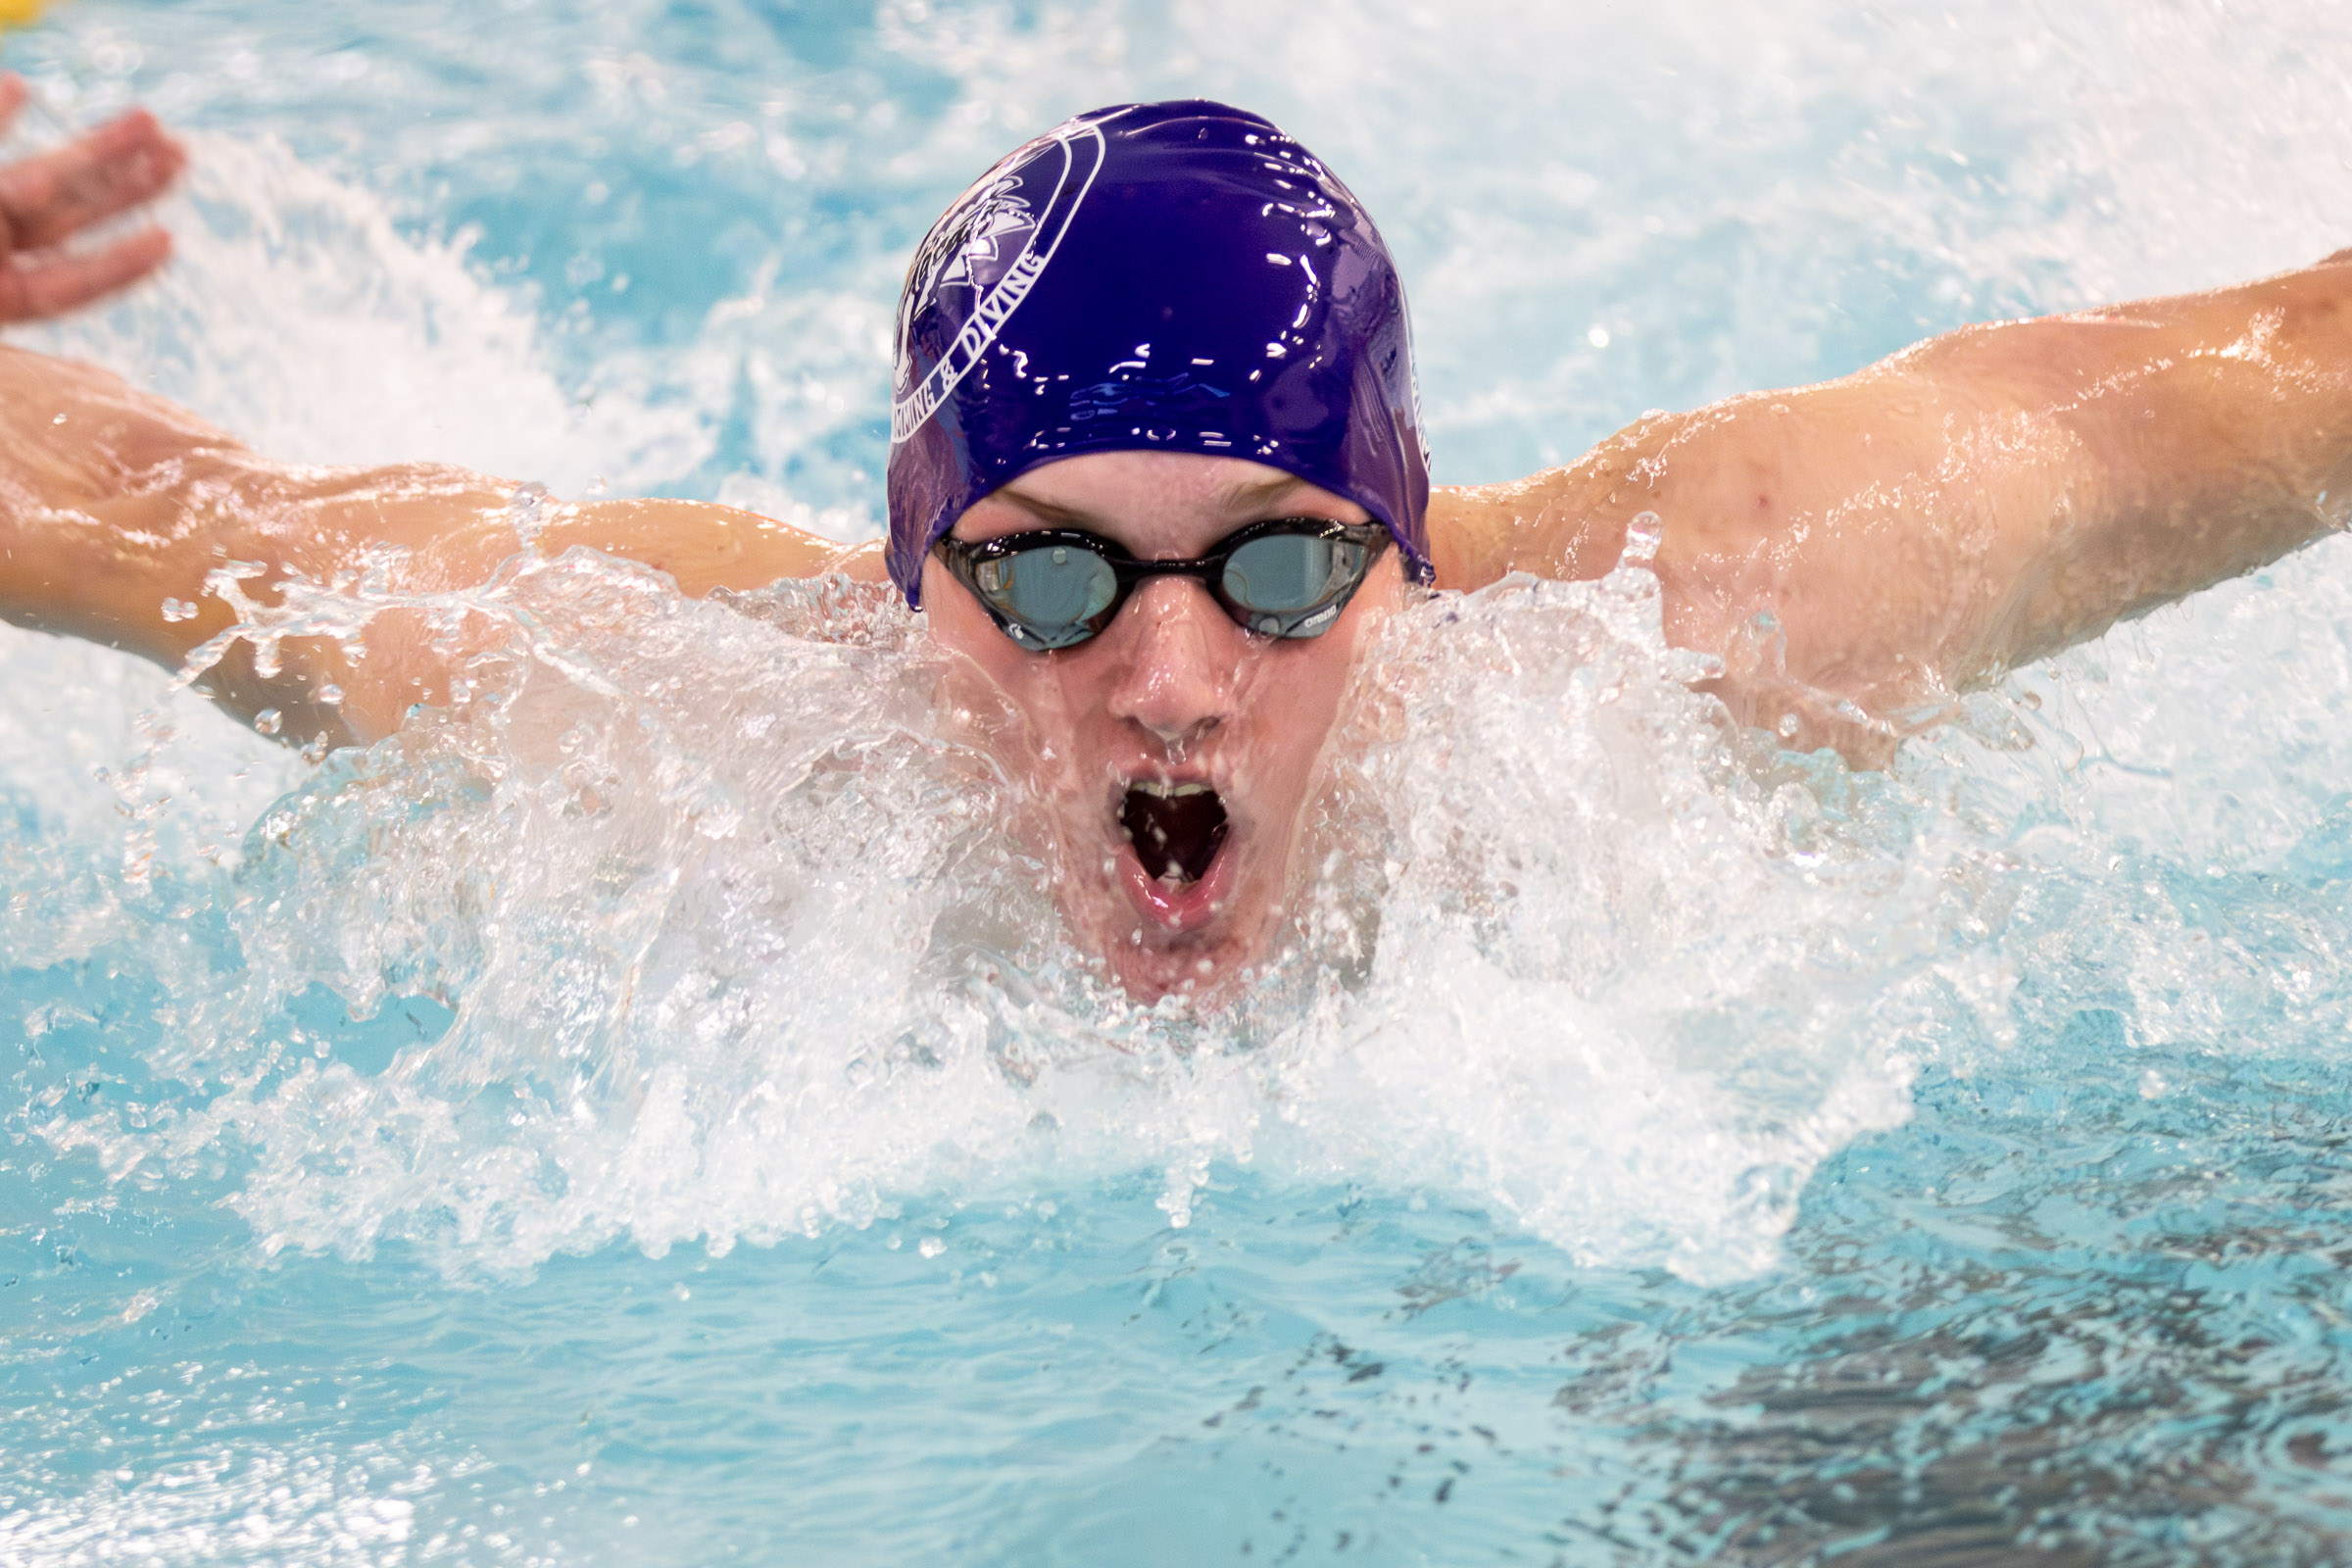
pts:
pixel 1171 693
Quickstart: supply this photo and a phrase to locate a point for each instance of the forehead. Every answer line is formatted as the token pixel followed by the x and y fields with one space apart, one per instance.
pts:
pixel 1154 503
pixel 1151 502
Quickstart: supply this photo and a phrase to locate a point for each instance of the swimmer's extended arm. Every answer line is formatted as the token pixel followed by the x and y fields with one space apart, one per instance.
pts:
pixel 1982 499
pixel 113 501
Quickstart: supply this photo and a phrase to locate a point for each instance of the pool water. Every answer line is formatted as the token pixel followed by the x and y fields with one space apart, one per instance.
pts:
pixel 646 1113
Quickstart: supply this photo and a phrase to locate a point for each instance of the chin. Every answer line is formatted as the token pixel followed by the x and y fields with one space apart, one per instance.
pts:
pixel 1196 936
pixel 1210 971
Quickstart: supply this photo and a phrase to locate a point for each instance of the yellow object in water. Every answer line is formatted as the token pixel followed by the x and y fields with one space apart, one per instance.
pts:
pixel 20 12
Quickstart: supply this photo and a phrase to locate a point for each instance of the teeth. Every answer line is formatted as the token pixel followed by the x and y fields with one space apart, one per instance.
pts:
pixel 1169 792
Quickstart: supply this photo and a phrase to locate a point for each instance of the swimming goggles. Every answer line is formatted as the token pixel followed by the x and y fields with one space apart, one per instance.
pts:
pixel 1054 588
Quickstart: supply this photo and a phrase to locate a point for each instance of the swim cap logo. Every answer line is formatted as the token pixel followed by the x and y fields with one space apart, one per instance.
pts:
pixel 1033 195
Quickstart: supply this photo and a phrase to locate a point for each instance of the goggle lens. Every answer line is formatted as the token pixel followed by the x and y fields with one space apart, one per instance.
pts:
pixel 1294 585
pixel 1054 593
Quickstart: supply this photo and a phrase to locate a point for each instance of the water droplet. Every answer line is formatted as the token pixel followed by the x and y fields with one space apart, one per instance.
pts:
pixel 526 510
pixel 1641 539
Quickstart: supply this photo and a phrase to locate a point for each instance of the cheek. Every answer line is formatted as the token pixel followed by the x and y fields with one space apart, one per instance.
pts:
pixel 1314 674
pixel 1287 710
pixel 1290 707
pixel 1023 705
pixel 1297 688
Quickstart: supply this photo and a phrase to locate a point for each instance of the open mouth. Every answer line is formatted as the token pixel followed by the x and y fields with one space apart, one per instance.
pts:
pixel 1176 828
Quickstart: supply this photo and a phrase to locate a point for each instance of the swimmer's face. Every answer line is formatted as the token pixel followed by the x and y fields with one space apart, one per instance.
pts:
pixel 1173 720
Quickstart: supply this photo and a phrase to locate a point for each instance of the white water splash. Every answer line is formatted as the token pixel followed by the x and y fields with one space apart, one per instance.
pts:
pixel 741 944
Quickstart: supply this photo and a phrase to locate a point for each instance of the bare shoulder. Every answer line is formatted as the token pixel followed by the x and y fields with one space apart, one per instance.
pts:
pixel 1724 481
pixel 1809 505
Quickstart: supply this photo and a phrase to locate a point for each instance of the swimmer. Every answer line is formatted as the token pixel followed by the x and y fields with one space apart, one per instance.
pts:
pixel 1156 476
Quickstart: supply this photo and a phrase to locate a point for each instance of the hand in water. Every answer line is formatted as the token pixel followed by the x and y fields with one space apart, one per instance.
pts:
pixel 48 198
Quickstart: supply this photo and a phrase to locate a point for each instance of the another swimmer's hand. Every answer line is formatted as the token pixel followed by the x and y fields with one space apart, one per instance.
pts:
pixel 47 199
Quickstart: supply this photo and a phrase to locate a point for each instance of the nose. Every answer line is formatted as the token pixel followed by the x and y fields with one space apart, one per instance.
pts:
pixel 1176 676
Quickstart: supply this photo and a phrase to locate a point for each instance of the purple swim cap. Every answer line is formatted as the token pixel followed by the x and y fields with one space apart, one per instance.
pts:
pixel 1155 278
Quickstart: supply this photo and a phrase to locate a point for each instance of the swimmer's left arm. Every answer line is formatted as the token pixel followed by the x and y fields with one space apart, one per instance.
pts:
pixel 1978 500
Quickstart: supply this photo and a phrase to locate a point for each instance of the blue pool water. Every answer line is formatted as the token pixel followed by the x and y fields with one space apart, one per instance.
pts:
pixel 646 1114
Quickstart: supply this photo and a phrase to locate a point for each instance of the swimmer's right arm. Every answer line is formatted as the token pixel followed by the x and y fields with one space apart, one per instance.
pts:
pixel 114 503
pixel 1861 550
